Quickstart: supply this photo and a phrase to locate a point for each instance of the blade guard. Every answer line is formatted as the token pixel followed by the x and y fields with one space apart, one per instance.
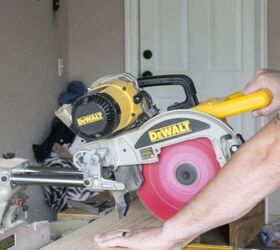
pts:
pixel 235 104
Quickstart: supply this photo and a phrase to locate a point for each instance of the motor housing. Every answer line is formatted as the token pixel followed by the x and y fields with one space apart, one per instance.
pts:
pixel 106 109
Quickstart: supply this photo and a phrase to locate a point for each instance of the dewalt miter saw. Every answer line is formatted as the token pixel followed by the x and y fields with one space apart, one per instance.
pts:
pixel 126 145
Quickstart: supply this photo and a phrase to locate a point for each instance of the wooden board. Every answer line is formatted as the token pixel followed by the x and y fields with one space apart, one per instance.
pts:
pixel 75 214
pixel 244 230
pixel 82 239
pixel 240 232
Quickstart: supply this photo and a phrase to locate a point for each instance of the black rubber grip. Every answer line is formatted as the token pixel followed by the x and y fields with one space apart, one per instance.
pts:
pixel 166 80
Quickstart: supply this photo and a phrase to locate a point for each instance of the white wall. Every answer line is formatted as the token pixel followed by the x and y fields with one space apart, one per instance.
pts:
pixel 274 34
pixel 30 44
pixel 96 39
pixel 29 48
pixel 274 63
pixel 31 41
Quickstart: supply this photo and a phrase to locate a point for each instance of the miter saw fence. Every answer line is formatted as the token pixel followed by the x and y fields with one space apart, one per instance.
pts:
pixel 127 145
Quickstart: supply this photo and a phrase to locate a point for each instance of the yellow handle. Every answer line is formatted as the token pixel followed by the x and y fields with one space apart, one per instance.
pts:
pixel 235 104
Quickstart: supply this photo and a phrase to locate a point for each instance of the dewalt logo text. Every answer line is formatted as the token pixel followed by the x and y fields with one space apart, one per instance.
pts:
pixel 84 120
pixel 169 131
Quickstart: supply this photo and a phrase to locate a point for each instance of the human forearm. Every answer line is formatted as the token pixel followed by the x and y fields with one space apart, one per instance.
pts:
pixel 214 208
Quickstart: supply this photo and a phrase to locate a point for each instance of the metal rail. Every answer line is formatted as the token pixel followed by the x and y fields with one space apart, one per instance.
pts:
pixel 51 176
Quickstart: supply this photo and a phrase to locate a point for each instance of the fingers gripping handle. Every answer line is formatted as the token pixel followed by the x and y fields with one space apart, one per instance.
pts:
pixel 236 103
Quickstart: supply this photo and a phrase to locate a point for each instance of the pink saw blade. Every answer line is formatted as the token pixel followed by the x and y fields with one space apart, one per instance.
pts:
pixel 182 171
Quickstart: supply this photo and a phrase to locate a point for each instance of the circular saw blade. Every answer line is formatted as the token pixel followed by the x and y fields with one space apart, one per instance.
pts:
pixel 182 171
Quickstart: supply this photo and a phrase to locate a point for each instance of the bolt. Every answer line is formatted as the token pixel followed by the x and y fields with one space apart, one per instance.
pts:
pixel 137 99
pixel 86 182
pixel 186 175
pixel 234 148
pixel 4 178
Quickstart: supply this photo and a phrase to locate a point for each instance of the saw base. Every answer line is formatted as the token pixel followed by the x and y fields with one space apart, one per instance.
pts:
pixel 21 236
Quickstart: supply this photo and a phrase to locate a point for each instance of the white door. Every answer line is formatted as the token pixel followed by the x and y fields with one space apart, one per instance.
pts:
pixel 212 41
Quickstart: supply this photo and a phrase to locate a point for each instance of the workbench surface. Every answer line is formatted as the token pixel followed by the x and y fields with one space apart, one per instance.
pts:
pixel 82 239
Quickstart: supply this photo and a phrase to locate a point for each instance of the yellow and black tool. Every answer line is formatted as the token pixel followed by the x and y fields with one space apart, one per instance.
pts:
pixel 166 157
pixel 106 109
pixel 125 144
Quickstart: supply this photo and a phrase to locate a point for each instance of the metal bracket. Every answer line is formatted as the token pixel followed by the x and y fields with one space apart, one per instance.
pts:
pixel 90 163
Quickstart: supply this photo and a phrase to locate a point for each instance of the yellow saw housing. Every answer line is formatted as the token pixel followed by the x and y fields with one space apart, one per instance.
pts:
pixel 123 94
pixel 107 108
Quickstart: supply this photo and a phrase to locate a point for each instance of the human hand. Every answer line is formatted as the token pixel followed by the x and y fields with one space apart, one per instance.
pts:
pixel 265 78
pixel 143 239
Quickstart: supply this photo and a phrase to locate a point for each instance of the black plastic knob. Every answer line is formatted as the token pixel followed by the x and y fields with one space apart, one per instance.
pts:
pixel 147 74
pixel 147 54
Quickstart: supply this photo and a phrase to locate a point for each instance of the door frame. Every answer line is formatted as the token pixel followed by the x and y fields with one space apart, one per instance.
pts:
pixel 132 46
pixel 132 36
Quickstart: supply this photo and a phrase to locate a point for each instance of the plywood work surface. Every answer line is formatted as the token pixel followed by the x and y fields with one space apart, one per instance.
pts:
pixel 82 239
